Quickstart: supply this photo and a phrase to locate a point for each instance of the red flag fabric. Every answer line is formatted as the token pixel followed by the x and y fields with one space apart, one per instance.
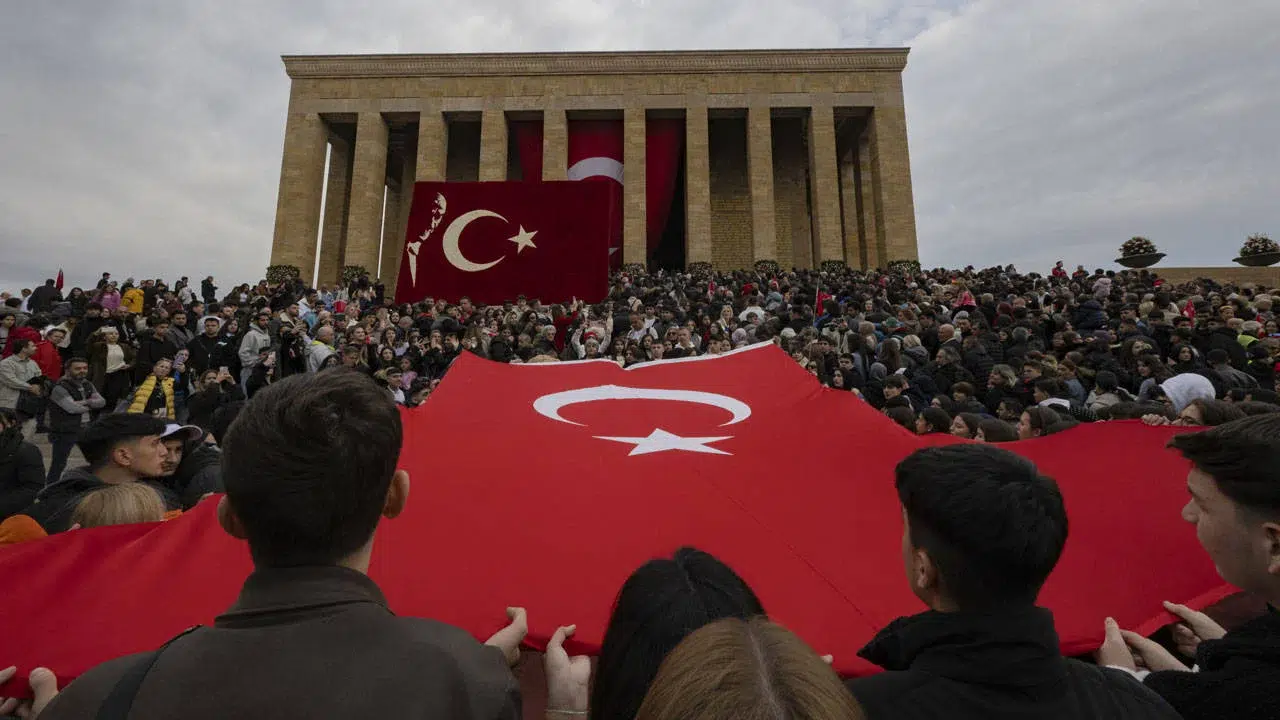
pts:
pixel 492 241
pixel 595 153
pixel 529 144
pixel 58 283
pixel 602 468
pixel 664 140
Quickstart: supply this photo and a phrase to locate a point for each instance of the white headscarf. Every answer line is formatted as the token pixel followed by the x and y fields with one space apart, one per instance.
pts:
pixel 1183 389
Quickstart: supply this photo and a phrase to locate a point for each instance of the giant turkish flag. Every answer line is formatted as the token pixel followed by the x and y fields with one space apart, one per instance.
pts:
pixel 570 475
pixel 493 241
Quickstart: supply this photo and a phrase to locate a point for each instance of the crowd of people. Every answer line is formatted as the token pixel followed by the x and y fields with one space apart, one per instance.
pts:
pixel 174 393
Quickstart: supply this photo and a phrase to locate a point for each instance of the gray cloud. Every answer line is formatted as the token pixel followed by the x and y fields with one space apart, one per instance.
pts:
pixel 144 138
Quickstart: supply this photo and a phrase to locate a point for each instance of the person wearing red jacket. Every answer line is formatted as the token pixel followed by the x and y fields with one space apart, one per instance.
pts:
pixel 21 332
pixel 47 356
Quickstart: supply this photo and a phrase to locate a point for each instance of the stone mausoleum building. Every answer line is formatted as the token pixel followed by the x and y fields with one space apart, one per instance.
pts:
pixel 799 157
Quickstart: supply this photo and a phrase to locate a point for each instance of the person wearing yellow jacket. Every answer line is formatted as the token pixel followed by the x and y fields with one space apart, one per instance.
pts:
pixel 132 299
pixel 154 395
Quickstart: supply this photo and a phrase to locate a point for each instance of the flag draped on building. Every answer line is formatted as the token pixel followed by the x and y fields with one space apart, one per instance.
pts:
pixel 562 478
pixel 595 152
pixel 493 241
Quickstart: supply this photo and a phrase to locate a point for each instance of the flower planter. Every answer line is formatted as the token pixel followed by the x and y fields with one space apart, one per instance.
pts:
pixel 1145 260
pixel 1259 259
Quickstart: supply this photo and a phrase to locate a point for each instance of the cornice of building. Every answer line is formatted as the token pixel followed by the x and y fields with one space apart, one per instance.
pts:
pixel 681 62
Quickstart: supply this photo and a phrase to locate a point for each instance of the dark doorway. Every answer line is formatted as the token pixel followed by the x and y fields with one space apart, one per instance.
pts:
pixel 669 254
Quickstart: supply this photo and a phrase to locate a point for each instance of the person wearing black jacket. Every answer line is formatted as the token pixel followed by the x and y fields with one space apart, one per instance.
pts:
pixel 206 352
pixel 983 530
pixel 21 467
pixel 153 345
pixel 92 321
pixel 1235 506
pixel 213 390
pixel 119 448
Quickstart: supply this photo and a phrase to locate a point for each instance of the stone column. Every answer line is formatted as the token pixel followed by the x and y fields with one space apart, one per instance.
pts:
pixel 868 209
pixel 555 141
pixel 390 243
pixel 298 201
pixel 433 144
pixel 337 200
pixel 891 170
pixel 849 208
pixel 407 176
pixel 634 220
pixel 493 143
pixel 824 185
pixel 368 185
pixel 764 230
pixel 697 183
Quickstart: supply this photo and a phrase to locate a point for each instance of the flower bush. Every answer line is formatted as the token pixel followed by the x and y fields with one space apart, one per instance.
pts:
pixel 696 268
pixel 832 266
pixel 904 267
pixel 277 274
pixel 767 267
pixel 1137 245
pixel 351 273
pixel 1258 244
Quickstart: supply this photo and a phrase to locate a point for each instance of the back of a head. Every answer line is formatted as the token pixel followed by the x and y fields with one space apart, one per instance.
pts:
pixel 993 526
pixel 754 669
pixel 660 604
pixel 307 465
pixel 121 504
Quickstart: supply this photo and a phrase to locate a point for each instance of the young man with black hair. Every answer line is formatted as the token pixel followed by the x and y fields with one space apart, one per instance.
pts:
pixel 310 635
pixel 119 448
pixel 982 530
pixel 1234 485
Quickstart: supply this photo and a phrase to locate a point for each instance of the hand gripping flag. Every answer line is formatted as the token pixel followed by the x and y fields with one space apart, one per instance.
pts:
pixel 546 485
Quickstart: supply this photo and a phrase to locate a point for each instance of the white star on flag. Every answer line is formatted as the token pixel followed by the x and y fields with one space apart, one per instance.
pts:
pixel 660 441
pixel 523 239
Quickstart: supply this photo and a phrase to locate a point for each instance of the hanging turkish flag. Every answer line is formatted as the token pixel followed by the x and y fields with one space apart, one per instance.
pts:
pixel 595 153
pixel 598 469
pixel 493 241
pixel 58 283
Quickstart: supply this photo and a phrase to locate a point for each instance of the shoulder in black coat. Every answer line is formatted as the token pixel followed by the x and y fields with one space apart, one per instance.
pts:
pixel 21 472
pixel 992 666
pixel 1239 676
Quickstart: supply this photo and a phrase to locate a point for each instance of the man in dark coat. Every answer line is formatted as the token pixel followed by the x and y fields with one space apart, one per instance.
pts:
pixel 983 531
pixel 308 504
pixel 43 297
pixel 119 448
pixel 1235 506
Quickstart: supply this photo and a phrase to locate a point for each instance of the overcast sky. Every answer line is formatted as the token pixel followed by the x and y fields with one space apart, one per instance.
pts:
pixel 144 137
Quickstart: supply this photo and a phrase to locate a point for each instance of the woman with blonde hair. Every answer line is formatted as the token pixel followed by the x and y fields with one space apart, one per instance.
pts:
pixel 753 669
pixel 121 504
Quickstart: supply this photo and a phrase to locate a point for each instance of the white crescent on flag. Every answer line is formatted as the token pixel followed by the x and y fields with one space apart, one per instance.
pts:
pixel 596 167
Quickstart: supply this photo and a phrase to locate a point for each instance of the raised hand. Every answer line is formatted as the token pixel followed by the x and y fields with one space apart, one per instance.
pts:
pixel 508 639
pixel 568 678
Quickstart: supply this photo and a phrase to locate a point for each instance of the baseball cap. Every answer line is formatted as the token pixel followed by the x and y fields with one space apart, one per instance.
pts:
pixel 186 433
